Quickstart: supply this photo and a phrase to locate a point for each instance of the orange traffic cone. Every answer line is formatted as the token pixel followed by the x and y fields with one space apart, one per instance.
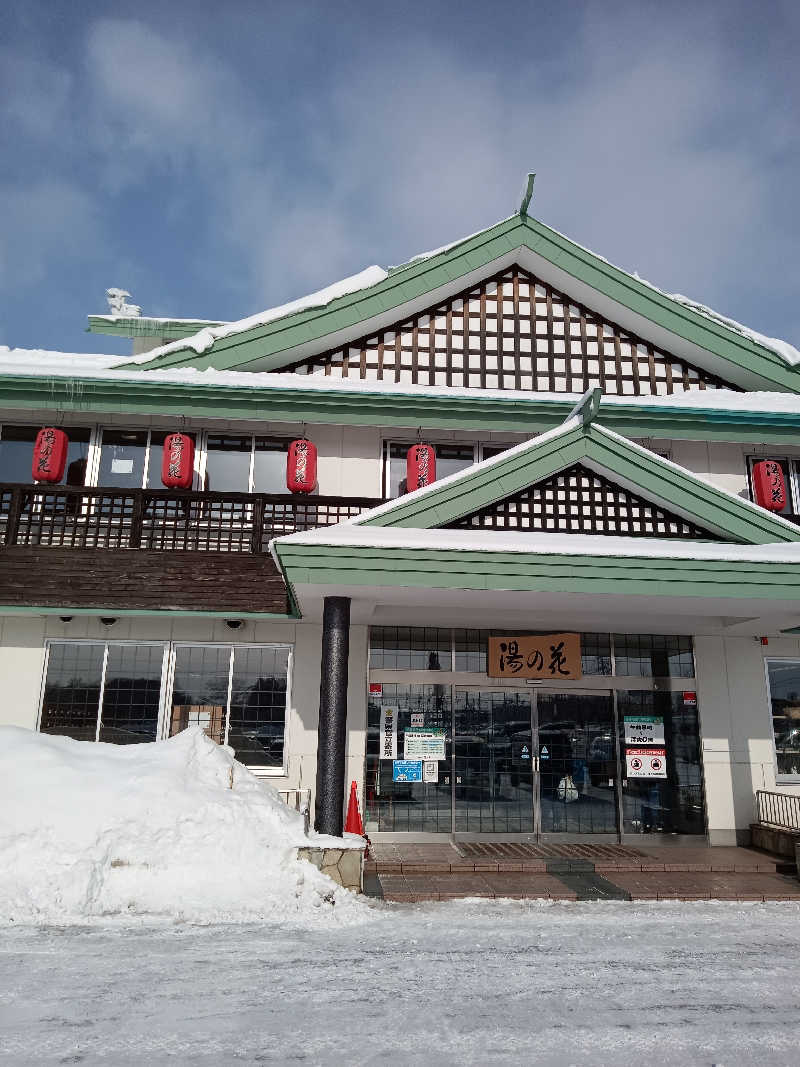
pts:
pixel 353 823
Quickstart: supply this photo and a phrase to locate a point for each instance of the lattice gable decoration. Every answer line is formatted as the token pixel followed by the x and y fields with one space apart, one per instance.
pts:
pixel 513 331
pixel 580 501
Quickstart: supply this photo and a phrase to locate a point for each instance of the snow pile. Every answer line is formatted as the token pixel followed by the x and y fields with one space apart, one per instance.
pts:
pixel 18 360
pixel 175 829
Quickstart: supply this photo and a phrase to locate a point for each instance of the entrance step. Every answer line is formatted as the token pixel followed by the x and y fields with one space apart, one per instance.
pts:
pixel 590 886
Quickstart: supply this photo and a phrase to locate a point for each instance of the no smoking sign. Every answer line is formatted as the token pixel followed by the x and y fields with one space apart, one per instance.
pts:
pixel 646 762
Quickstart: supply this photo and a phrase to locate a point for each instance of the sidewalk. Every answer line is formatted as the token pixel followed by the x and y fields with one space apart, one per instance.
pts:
pixel 411 873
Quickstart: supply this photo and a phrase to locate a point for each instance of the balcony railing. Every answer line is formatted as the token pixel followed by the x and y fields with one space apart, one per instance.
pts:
pixel 778 809
pixel 162 519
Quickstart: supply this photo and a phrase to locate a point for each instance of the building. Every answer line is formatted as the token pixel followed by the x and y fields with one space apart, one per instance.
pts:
pixel 585 625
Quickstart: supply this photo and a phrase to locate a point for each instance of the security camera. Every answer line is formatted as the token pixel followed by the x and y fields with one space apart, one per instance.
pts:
pixel 107 621
pixel 65 618
pixel 235 624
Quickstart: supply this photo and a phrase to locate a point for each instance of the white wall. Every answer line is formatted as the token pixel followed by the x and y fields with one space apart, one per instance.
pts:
pixel 736 728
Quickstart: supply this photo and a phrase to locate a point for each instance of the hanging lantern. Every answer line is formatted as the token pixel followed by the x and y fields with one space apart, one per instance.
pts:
pixel 177 461
pixel 769 485
pixel 49 455
pixel 301 466
pixel 420 466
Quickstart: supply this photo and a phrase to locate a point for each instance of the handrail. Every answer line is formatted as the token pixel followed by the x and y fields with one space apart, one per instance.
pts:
pixel 778 809
pixel 162 519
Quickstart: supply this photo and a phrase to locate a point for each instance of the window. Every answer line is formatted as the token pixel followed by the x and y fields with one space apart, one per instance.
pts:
pixel 123 693
pixel 131 459
pixel 409 648
pixel 450 458
pixel 784 696
pixel 16 453
pixel 103 692
pixel 245 464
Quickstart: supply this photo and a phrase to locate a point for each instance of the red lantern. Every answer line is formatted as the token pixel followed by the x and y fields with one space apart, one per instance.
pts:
pixel 301 466
pixel 50 455
pixel 769 485
pixel 420 466
pixel 177 461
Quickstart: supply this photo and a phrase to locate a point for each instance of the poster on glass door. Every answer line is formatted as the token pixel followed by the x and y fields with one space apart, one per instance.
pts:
pixel 644 730
pixel 388 731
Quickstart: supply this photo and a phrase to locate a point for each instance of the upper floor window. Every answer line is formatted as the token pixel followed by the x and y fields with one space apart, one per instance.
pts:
pixel 450 458
pixel 245 464
pixel 16 453
pixel 130 459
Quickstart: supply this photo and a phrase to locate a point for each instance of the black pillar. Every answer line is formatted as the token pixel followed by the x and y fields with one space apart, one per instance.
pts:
pixel 329 810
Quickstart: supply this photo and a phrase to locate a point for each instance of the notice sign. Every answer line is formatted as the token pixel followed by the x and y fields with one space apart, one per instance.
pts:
pixel 430 771
pixel 417 718
pixel 407 770
pixel 644 730
pixel 388 731
pixel 424 744
pixel 545 656
pixel 646 762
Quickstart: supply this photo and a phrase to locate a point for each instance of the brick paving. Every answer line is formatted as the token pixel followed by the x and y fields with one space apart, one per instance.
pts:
pixel 411 873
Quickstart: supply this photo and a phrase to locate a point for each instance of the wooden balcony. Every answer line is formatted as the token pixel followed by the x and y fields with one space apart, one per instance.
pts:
pixel 152 548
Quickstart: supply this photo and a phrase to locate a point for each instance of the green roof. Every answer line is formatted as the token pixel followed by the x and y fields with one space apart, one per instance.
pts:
pixel 277 343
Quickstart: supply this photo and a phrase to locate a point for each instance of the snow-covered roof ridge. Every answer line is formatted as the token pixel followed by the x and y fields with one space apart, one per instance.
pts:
pixel 205 338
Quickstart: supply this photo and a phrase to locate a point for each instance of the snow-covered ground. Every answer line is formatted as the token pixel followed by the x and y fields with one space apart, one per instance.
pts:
pixel 461 983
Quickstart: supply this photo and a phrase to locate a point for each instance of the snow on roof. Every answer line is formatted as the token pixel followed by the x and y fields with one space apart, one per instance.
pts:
pixel 543 544
pixel 41 361
pixel 145 320
pixel 205 338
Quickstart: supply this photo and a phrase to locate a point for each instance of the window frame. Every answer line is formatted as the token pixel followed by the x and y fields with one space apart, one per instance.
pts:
pixel 167 685
pixel 780 777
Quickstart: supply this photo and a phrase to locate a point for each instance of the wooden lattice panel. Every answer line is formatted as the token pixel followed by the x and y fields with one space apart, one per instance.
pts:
pixel 578 500
pixel 513 332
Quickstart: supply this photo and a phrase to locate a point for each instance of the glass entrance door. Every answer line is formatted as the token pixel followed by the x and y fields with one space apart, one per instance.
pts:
pixel 577 763
pixel 533 761
pixel 494 776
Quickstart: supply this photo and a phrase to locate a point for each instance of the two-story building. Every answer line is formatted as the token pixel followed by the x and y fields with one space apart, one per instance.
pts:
pixel 586 624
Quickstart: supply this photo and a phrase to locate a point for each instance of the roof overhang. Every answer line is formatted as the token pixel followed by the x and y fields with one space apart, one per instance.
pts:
pixel 655 587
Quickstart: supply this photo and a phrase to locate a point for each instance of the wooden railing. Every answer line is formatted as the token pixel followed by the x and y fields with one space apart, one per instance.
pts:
pixel 162 519
pixel 778 809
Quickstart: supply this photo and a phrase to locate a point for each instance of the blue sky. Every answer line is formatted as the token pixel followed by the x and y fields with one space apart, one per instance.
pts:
pixel 217 159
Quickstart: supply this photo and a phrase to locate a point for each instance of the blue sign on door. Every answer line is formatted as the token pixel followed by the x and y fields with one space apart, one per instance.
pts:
pixel 407 770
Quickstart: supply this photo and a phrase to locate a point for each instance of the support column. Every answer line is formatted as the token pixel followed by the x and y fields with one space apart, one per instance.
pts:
pixel 329 805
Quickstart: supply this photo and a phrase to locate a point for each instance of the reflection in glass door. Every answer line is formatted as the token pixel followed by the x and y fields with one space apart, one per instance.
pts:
pixel 493 761
pixel 577 763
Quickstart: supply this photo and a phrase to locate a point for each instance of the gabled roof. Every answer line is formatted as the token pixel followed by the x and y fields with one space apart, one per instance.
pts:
pixel 374 299
pixel 582 440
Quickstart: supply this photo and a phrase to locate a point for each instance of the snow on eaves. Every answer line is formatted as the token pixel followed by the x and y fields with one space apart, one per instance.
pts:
pixel 38 363
pixel 543 544
pixel 205 338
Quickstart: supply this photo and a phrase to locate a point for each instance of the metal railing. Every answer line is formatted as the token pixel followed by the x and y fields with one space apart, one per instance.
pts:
pixel 300 800
pixel 162 519
pixel 778 809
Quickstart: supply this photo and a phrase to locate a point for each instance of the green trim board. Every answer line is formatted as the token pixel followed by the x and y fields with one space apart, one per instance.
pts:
pixel 142 326
pixel 650 476
pixel 523 413
pixel 272 344
pixel 557 572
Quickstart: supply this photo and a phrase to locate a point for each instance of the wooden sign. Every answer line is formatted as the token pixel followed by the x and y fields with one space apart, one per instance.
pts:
pixel 551 656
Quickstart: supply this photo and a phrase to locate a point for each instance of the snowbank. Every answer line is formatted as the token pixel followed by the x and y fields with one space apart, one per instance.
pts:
pixel 173 830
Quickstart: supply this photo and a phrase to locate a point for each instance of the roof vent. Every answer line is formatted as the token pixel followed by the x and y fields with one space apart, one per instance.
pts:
pixel 118 306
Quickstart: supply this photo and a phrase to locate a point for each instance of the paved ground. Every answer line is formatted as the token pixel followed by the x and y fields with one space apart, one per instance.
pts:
pixel 461 984
pixel 413 873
